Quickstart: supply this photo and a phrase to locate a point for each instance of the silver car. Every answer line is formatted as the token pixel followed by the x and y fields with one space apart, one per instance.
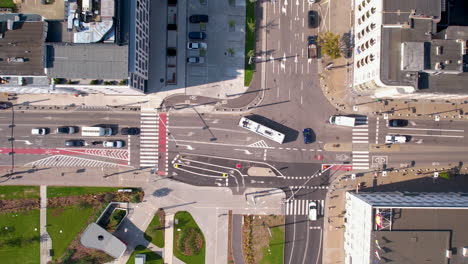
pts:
pixel 196 45
pixel 113 144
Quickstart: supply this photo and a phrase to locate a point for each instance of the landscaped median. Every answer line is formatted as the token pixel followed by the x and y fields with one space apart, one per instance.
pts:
pixel 263 239
pixel 249 41
pixel 189 242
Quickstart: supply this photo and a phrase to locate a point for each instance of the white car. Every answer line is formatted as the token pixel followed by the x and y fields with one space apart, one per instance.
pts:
pixel 113 144
pixel 196 60
pixel 196 45
pixel 40 131
pixel 311 1
pixel 312 211
pixel 391 139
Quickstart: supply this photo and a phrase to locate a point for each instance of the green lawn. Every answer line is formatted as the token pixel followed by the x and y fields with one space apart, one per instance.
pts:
pixel 70 220
pixel 276 247
pixel 7 3
pixel 153 233
pixel 19 192
pixel 55 191
pixel 249 41
pixel 186 223
pixel 20 242
pixel 151 257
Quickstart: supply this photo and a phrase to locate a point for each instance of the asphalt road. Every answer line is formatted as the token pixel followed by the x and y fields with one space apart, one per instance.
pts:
pixel 49 150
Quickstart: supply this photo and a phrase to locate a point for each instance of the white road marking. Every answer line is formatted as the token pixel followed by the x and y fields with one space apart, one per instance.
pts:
pixel 429 129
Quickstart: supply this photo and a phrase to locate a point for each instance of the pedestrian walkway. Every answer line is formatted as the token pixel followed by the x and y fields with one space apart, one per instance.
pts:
pixel 360 159
pixel 45 241
pixel 148 138
pixel 169 238
pixel 301 207
pixel 361 130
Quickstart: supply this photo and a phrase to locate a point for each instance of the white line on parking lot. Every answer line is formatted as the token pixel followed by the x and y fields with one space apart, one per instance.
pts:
pixel 429 129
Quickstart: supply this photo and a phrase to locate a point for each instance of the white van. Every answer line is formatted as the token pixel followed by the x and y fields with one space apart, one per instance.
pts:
pixel 95 131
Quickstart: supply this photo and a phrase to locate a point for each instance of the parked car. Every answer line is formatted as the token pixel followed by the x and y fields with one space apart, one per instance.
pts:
pixel 313 19
pixel 307 133
pixel 391 139
pixel 66 130
pixel 40 131
pixel 197 35
pixel 113 144
pixel 75 143
pixel 397 123
pixel 195 59
pixel 198 18
pixel 130 131
pixel 196 45
pixel 5 105
pixel 311 1
pixel 312 211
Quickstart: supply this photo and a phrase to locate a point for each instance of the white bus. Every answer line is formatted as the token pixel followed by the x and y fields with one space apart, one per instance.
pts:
pixel 261 130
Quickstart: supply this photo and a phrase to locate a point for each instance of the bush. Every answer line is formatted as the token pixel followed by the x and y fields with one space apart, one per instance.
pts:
pixel 108 197
pixel 83 205
pixel 135 198
pixel 93 82
pixel 123 82
pixel 190 242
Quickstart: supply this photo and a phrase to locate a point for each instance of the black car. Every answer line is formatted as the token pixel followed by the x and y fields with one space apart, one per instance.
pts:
pixel 198 19
pixel 66 130
pixel 75 143
pixel 5 105
pixel 130 131
pixel 313 19
pixel 397 123
pixel 197 35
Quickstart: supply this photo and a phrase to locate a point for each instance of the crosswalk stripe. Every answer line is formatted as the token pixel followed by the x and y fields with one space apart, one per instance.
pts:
pixel 360 152
pixel 360 163
pixel 359 134
pixel 360 137
pixel 149 118
pixel 142 126
pixel 148 141
pixel 360 168
pixel 360 141
pixel 360 160
pixel 360 156
pixel 149 121
pixel 360 129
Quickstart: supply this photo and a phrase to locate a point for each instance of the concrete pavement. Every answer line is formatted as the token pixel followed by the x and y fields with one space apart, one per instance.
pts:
pixel 45 241
pixel 169 238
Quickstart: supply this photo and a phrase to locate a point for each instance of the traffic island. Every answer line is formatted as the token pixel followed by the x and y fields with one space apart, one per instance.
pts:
pixel 338 147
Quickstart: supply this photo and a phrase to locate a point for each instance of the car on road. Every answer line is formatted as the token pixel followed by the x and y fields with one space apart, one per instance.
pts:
pixel 198 19
pixel 5 105
pixel 195 59
pixel 312 1
pixel 312 211
pixel 307 133
pixel 66 130
pixel 392 139
pixel 113 144
pixel 313 19
pixel 397 123
pixel 40 131
pixel 197 35
pixel 130 131
pixel 196 45
pixel 312 49
pixel 74 143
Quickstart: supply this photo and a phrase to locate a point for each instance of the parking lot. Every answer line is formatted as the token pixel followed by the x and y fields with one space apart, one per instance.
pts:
pixel 221 73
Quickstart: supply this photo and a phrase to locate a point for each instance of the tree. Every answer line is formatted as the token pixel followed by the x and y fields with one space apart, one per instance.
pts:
pixel 330 44
pixel 251 25
pixel 232 23
pixel 250 54
pixel 231 51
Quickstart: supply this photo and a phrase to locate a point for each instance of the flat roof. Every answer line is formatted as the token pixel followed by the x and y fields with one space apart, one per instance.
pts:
pixel 25 41
pixel 87 61
pixel 422 236
pixel 398 11
pixel 98 238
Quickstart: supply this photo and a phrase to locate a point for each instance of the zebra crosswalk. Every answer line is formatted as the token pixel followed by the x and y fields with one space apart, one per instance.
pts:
pixel 360 160
pixel 301 207
pixel 149 139
pixel 361 131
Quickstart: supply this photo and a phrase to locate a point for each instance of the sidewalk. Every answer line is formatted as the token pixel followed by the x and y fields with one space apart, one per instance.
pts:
pixel 169 238
pixel 334 220
pixel 45 241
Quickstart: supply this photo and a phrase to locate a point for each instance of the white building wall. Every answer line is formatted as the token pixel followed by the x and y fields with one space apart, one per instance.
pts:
pixel 358 230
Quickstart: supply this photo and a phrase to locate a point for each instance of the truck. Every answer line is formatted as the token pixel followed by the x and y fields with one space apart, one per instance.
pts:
pixel 343 121
pixel 312 50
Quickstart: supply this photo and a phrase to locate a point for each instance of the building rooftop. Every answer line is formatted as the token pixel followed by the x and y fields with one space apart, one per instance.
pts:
pixel 87 61
pixel 22 48
pixel 399 11
pixel 98 238
pixel 422 236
